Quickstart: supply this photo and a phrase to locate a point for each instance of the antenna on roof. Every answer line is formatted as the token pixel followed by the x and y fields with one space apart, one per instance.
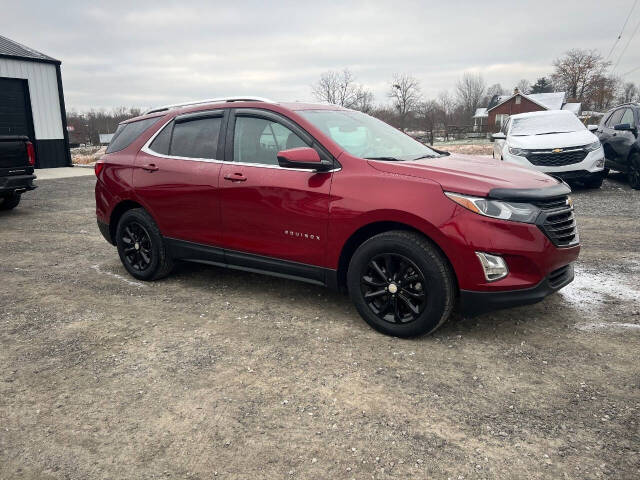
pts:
pixel 208 100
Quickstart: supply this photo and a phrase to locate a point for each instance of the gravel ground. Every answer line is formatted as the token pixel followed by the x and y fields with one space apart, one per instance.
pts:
pixel 222 374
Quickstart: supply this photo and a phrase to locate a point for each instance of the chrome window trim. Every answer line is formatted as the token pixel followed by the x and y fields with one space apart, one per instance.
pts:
pixel 145 148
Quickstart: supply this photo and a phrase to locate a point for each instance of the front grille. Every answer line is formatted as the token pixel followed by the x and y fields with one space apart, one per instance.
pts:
pixel 560 276
pixel 549 158
pixel 557 221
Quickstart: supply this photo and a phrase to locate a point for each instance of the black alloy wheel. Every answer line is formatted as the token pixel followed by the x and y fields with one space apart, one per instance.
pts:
pixel 137 246
pixel 142 248
pixel 393 288
pixel 401 283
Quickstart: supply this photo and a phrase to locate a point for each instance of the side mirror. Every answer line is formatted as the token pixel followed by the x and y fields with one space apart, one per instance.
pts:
pixel 592 128
pixel 625 127
pixel 303 157
pixel 498 136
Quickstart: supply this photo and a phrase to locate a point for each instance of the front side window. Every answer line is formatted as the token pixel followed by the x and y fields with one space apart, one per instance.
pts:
pixel 627 117
pixel 366 137
pixel 126 133
pixel 614 119
pixel 257 140
pixel 196 138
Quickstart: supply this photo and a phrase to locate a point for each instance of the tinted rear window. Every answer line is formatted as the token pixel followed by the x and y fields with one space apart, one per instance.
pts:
pixel 126 133
pixel 196 138
pixel 162 141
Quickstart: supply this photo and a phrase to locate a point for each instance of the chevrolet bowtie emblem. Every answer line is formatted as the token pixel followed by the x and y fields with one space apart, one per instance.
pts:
pixel 557 150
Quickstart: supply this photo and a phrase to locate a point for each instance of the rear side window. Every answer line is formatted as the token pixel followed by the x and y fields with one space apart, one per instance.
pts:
pixel 126 133
pixel 162 141
pixel 196 138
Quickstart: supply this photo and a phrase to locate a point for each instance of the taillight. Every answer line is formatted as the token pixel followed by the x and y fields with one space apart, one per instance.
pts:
pixel 98 168
pixel 31 153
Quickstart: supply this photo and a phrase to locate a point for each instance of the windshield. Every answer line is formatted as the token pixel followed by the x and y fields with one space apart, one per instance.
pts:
pixel 366 137
pixel 546 124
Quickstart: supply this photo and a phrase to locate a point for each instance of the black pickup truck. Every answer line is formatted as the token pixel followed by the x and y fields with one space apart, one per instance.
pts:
pixel 17 159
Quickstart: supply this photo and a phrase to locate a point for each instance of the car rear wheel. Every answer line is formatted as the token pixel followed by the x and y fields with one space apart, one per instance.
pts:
pixel 401 284
pixel 8 203
pixel 142 249
pixel 634 171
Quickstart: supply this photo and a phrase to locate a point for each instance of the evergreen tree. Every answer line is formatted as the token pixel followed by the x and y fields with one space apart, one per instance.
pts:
pixel 542 85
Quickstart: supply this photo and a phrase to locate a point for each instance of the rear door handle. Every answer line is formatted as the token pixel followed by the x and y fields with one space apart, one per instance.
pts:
pixel 235 177
pixel 150 167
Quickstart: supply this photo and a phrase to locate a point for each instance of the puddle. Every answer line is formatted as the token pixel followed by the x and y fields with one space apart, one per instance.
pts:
pixel 119 277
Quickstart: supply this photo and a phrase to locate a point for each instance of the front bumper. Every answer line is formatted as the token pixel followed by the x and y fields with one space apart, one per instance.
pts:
pixel 593 163
pixel 16 184
pixel 474 303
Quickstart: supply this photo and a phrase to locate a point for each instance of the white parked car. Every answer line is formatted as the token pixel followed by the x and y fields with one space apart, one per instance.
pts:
pixel 554 142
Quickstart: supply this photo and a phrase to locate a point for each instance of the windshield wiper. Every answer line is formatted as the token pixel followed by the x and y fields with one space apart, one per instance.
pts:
pixel 428 155
pixel 392 159
pixel 551 133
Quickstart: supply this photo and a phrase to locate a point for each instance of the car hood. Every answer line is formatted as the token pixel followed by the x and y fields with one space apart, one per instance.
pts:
pixel 468 174
pixel 553 140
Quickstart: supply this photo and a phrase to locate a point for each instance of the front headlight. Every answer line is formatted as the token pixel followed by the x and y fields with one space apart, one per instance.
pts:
pixel 516 212
pixel 518 152
pixel 592 146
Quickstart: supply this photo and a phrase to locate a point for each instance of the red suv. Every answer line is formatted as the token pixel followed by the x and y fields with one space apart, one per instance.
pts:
pixel 333 197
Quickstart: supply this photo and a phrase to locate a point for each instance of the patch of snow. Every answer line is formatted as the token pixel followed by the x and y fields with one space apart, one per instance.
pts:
pixel 119 277
pixel 593 326
pixel 588 288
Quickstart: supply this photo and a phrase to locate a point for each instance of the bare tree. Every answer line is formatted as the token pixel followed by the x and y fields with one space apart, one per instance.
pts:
pixel 495 89
pixel 576 71
pixel 469 91
pixel 446 105
pixel 628 93
pixel 602 92
pixel 405 96
pixel 340 88
pixel 427 115
pixel 524 86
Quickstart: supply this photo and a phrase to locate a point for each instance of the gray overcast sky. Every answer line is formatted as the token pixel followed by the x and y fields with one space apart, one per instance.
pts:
pixel 146 53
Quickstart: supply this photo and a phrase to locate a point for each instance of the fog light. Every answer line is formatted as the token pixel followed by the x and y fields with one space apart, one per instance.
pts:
pixel 494 266
pixel 600 163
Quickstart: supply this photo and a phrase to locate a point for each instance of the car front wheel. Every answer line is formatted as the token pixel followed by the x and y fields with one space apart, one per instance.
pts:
pixel 142 249
pixel 401 284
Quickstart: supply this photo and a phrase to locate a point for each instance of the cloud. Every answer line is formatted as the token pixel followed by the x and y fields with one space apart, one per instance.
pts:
pixel 147 53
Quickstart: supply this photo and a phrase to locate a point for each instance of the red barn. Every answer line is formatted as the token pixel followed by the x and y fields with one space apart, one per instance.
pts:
pixel 502 107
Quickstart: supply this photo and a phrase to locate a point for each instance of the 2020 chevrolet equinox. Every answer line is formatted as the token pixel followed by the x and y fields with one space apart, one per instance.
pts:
pixel 334 197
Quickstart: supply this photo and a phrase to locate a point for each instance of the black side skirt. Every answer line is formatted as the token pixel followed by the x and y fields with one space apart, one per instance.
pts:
pixel 195 252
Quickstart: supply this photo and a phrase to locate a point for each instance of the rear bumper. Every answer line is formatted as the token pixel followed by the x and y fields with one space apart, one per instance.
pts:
pixel 16 184
pixel 474 303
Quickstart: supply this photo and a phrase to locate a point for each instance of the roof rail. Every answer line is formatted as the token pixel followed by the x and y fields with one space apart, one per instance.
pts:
pixel 208 100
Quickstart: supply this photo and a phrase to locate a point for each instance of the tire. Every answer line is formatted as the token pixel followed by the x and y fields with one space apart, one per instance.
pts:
pixel 633 173
pixel 9 203
pixel 142 250
pixel 605 172
pixel 594 182
pixel 422 304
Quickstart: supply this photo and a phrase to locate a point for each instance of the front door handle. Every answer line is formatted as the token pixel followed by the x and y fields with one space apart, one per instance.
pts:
pixel 235 177
pixel 150 167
